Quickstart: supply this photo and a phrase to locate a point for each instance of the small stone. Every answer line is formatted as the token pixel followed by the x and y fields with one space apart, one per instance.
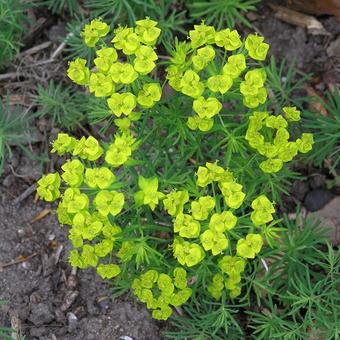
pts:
pixel 300 189
pixel 26 265
pixel 69 298
pixel 60 316
pixel 72 322
pixel 317 181
pixel 333 49
pixel 72 281
pixel 317 198
pixel 40 314
pixel 329 217
pixel 37 332
pixel 104 302
pixel 8 181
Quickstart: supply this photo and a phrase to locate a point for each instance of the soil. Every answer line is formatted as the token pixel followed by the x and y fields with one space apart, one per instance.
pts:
pixel 44 297
pixel 50 300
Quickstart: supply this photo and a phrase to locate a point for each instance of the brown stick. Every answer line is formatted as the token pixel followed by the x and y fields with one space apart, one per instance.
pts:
pixel 18 260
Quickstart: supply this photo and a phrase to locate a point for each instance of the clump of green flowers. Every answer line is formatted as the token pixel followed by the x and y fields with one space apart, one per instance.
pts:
pixel 210 224
pixel 160 291
pixel 278 149
pixel 193 72
pixel 121 68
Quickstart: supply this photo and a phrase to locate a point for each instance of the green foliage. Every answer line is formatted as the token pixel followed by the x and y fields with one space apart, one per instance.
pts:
pixel 66 108
pixel 285 85
pixel 75 45
pixel 222 13
pixel 177 203
pixel 294 294
pixel 12 20
pixel 14 129
pixel 299 298
pixel 120 11
pixel 59 6
pixel 5 332
pixel 326 130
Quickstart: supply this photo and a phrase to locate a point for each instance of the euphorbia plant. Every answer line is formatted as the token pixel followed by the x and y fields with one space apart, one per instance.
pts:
pixel 172 242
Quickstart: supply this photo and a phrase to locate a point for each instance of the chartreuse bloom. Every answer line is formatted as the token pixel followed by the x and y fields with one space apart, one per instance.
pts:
pixel 190 84
pixel 305 143
pixel 122 103
pixel 220 83
pixel 149 194
pixel 256 47
pixel 201 35
pixel 203 57
pixel 109 202
pixel 73 173
pixel 212 173
pixel 221 222
pixel 250 246
pixel 203 124
pixel 120 150
pixel 214 241
pixel 147 31
pixel 149 95
pixel 161 291
pixel 292 113
pixel 88 148
pixel 100 178
pixel 74 201
pixel 145 60
pixel 125 39
pixel 235 66
pixel 108 271
pixel 48 187
pixel 215 289
pixel 78 72
pixel 101 85
pixel 106 57
pixel 252 88
pixel 186 253
pixel 63 144
pixel 206 108
pixel 232 193
pixel 279 149
pixel 200 209
pixel 175 201
pixel 95 30
pixel 263 210
pixel 228 39
pixel 233 266
pixel 122 73
pixel 186 226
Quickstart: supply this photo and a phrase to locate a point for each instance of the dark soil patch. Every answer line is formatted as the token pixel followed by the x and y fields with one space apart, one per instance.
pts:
pixel 43 293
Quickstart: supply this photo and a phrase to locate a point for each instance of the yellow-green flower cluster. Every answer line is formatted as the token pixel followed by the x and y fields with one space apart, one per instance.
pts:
pixel 193 72
pixel 233 267
pixel 207 229
pixel 89 202
pixel 119 65
pixel 263 210
pixel 252 88
pixel 160 292
pixel 149 194
pixel 48 187
pixel 279 149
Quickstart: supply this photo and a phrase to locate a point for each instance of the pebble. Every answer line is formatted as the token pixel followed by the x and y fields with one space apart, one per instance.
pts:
pixel 40 314
pixel 72 322
pixel 317 198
